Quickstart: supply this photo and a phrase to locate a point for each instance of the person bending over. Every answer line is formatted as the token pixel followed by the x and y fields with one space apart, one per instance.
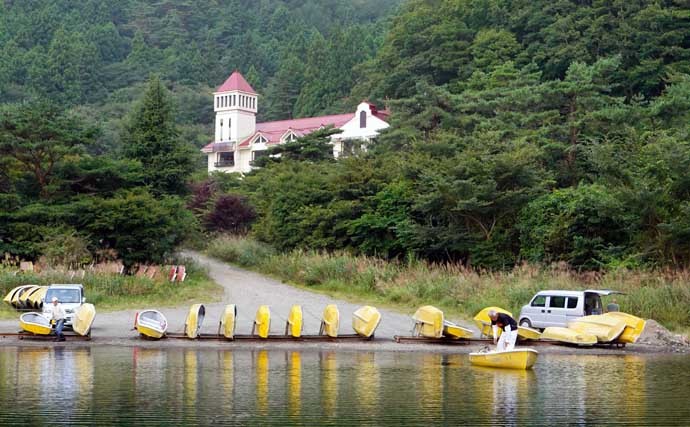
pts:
pixel 57 314
pixel 509 327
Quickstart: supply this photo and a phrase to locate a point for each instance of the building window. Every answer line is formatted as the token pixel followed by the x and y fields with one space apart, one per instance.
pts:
pixel 351 147
pixel 225 160
pixel 217 102
pixel 221 129
pixel 259 154
pixel 260 140
pixel 234 100
pixel 290 137
pixel 362 119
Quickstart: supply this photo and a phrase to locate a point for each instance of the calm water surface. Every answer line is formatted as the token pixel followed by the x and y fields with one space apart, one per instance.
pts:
pixel 135 386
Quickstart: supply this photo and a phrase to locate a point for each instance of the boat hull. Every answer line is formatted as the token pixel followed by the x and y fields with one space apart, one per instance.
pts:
pixel 604 333
pixel 483 321
pixel 35 323
pixel 451 330
pixel 330 322
pixel 294 322
pixel 528 333
pixel 511 359
pixel 151 324
pixel 36 298
pixel 195 318
pixel 429 322
pixel 83 319
pixel 568 336
pixel 365 320
pixel 227 321
pixel 633 326
pixel 262 321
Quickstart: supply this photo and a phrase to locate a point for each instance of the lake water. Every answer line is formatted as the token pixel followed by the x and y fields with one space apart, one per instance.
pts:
pixel 135 386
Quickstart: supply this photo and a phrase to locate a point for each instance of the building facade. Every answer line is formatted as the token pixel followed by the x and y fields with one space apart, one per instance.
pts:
pixel 239 140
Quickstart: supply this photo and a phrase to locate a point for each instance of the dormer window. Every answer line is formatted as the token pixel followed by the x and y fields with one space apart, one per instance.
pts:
pixel 260 140
pixel 362 119
pixel 289 137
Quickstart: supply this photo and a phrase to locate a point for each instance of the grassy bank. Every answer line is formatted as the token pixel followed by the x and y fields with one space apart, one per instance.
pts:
pixel 662 295
pixel 110 292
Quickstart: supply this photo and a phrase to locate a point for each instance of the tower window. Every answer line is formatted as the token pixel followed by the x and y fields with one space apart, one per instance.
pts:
pixel 362 119
pixel 221 129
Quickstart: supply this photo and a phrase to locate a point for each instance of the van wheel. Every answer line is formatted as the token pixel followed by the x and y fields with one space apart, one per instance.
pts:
pixel 526 323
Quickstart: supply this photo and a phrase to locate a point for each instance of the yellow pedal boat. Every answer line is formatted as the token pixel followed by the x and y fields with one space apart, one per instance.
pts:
pixel 262 322
pixel 483 321
pixel 568 336
pixel 330 323
pixel 365 320
pixel 26 300
pixel 151 324
pixel 451 330
pixel 428 322
pixel 83 319
pixel 295 322
pixel 35 323
pixel 523 358
pixel 227 323
pixel 633 326
pixel 604 333
pixel 20 291
pixel 36 298
pixel 195 318
pixel 528 333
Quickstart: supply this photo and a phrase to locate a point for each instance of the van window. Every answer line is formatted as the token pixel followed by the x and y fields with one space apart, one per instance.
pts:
pixel 557 302
pixel 572 302
pixel 539 301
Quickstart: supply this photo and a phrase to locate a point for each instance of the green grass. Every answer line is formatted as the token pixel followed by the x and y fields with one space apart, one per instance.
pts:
pixel 662 295
pixel 110 292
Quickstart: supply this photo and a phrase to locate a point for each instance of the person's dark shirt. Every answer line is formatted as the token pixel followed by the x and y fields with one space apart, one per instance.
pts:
pixel 504 320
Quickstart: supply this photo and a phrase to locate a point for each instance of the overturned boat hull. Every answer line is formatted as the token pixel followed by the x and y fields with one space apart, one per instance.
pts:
pixel 483 321
pixel 365 320
pixel 330 322
pixel 227 321
pixel 262 321
pixel 568 336
pixel 528 333
pixel 294 322
pixel 428 322
pixel 633 326
pixel 83 319
pixel 195 318
pixel 523 358
pixel 604 333
pixel 35 323
pixel 451 330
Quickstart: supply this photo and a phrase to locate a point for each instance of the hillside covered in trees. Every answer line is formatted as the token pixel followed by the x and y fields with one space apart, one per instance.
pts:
pixel 541 131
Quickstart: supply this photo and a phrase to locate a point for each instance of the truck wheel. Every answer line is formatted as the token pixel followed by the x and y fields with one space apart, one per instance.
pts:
pixel 526 323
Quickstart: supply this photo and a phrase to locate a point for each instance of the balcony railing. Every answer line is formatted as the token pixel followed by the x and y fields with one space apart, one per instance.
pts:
pixel 224 164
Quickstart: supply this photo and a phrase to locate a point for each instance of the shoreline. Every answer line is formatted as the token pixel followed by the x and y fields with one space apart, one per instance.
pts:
pixel 376 345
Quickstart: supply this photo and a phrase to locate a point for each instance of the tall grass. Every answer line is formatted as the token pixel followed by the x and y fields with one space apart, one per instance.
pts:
pixel 114 292
pixel 663 295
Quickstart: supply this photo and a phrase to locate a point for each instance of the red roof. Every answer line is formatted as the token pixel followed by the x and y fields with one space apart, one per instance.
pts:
pixel 273 131
pixel 236 82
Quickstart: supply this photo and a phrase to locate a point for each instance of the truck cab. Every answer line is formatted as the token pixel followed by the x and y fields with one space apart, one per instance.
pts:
pixel 71 296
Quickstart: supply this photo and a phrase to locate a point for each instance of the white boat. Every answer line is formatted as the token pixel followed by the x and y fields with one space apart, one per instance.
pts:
pixel 151 323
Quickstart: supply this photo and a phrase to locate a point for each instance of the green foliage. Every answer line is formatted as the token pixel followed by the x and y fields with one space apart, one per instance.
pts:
pixel 153 140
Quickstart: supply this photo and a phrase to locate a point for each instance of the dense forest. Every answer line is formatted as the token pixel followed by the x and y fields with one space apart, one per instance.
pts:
pixel 541 131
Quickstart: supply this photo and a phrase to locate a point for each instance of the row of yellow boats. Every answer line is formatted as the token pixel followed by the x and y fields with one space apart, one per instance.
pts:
pixel 26 297
pixel 153 324
pixel 39 324
pixel 608 328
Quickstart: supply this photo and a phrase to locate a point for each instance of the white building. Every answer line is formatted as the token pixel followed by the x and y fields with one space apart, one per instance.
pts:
pixel 239 139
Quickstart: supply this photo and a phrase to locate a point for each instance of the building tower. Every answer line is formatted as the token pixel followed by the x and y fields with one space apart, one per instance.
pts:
pixel 235 105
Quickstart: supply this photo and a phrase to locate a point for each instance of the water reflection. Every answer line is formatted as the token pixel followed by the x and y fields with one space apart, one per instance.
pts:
pixel 185 386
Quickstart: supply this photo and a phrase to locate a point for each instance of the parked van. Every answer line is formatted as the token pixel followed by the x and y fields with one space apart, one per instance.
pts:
pixel 557 308
pixel 71 296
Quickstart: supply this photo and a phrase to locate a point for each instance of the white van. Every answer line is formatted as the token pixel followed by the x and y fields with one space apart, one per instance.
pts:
pixel 557 308
pixel 71 296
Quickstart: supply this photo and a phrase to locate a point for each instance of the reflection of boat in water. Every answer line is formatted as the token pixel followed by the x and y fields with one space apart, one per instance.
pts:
pixel 262 370
pixel 428 322
pixel 633 326
pixel 227 321
pixel 604 333
pixel 35 323
pixel 568 336
pixel 483 321
pixel 83 319
pixel 262 322
pixel 151 323
pixel 365 320
pixel 523 358
pixel 294 324
pixel 452 330
pixel 329 382
pixel 195 318
pixel 330 322
pixel 294 383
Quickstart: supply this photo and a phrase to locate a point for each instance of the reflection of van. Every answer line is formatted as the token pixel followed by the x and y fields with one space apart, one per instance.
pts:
pixel 70 296
pixel 557 308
